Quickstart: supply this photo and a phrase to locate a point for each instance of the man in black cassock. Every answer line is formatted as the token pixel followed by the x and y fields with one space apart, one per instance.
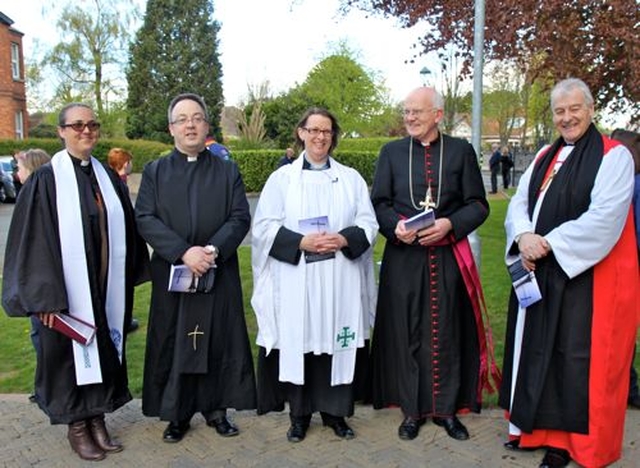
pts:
pixel 85 266
pixel 193 211
pixel 426 353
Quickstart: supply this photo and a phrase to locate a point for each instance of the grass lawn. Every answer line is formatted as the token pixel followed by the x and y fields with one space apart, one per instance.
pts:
pixel 18 360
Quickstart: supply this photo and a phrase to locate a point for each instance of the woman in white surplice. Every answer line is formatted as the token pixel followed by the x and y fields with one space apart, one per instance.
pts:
pixel 314 289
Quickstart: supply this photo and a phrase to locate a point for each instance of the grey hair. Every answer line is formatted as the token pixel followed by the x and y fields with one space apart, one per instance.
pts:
pixel 438 100
pixel 566 86
pixel 62 116
pixel 190 97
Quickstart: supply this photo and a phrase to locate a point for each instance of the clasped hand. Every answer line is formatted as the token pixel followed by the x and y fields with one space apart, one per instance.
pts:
pixel 323 242
pixel 426 236
pixel 532 247
pixel 199 259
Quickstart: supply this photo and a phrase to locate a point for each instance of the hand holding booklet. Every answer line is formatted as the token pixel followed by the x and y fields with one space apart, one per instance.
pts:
pixel 181 279
pixel 422 220
pixel 313 225
pixel 524 284
pixel 74 328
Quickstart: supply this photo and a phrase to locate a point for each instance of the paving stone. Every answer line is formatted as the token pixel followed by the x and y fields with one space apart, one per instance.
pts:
pixel 28 440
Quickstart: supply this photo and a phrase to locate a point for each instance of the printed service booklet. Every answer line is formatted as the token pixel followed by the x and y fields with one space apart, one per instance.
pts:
pixel 421 220
pixel 310 226
pixel 524 284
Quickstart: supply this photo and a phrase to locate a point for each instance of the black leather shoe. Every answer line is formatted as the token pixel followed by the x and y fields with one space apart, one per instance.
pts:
pixel 223 427
pixel 175 432
pixel 514 445
pixel 133 325
pixel 341 429
pixel 555 458
pixel 297 431
pixel 410 427
pixel 453 426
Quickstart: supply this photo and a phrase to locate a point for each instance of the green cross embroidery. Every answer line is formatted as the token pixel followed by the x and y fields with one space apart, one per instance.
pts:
pixel 345 337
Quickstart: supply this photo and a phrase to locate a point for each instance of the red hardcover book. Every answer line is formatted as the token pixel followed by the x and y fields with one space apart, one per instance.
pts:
pixel 74 328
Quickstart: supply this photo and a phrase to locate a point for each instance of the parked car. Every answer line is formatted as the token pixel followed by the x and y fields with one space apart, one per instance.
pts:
pixel 7 187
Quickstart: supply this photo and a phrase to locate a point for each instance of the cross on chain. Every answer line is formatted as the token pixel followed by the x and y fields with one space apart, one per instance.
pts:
pixel 428 201
pixel 195 334
pixel 345 337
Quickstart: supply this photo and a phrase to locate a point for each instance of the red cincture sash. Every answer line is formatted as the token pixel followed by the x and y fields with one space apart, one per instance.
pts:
pixel 467 265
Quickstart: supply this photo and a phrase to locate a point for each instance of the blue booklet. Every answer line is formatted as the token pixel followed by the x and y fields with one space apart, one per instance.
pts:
pixel 420 221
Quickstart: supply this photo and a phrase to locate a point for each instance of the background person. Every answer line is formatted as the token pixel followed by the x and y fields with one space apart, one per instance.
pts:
pixel 27 162
pixel 632 141
pixel 192 210
pixel 287 158
pixel 567 356
pixel 494 166
pixel 121 161
pixel 74 249
pixel 30 160
pixel 314 292
pixel 506 164
pixel 426 354
pixel 218 149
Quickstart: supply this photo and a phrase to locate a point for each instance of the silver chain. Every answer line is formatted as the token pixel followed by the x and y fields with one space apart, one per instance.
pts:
pixel 437 203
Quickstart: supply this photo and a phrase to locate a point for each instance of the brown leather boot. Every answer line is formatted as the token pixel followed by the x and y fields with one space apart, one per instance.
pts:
pixel 101 436
pixel 82 443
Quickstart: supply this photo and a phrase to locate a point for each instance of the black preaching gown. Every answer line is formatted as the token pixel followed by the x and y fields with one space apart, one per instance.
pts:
pixel 34 282
pixel 425 351
pixel 181 204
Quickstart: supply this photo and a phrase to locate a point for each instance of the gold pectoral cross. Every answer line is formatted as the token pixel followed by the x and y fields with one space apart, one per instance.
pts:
pixel 428 201
pixel 195 334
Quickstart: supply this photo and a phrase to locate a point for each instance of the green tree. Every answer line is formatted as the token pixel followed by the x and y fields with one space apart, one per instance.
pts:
pixel 454 103
pixel 89 60
pixel 175 51
pixel 251 121
pixel 503 102
pixel 595 40
pixel 347 90
pixel 539 114
pixel 282 114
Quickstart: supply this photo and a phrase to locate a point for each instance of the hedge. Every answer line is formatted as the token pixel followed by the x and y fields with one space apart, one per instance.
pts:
pixel 255 165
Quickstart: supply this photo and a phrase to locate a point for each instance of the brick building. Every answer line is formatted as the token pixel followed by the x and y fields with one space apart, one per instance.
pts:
pixel 14 119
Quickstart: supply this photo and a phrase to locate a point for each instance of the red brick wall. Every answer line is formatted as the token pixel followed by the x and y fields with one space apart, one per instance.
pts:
pixel 12 92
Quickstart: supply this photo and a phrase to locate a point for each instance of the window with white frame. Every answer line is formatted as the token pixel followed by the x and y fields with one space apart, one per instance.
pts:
pixel 15 61
pixel 19 121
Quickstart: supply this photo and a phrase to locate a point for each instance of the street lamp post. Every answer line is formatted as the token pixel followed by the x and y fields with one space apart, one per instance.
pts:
pixel 425 72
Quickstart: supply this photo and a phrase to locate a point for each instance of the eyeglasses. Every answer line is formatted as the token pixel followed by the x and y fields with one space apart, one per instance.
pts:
pixel 416 112
pixel 318 131
pixel 194 119
pixel 79 126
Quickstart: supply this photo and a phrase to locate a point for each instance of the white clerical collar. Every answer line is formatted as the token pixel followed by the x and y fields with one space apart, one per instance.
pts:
pixel 192 158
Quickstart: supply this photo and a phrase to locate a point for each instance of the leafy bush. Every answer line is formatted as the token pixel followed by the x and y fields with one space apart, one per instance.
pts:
pixel 255 165
pixel 362 144
pixel 143 151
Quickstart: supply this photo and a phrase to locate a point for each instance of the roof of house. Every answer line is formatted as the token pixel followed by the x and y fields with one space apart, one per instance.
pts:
pixel 5 19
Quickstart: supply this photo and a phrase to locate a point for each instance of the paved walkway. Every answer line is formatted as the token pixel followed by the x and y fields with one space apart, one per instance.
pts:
pixel 27 440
